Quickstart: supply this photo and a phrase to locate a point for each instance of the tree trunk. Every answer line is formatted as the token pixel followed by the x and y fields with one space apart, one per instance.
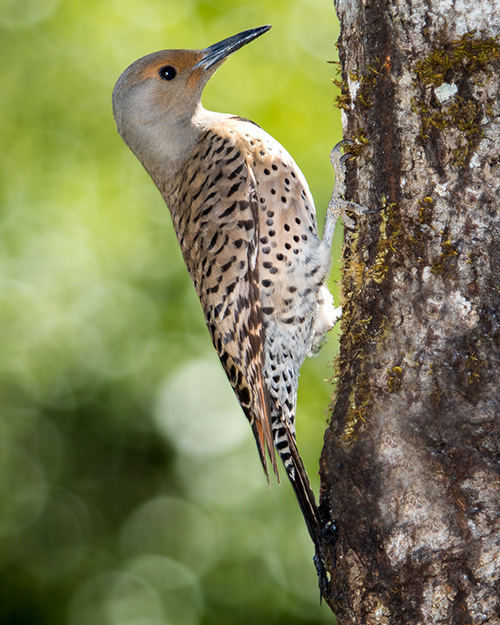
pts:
pixel 411 464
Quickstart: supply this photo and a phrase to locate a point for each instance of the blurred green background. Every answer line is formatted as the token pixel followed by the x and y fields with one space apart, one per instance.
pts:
pixel 130 488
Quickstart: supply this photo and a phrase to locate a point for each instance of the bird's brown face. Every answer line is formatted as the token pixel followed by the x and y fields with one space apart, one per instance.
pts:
pixel 174 79
pixel 170 68
pixel 157 99
pixel 162 81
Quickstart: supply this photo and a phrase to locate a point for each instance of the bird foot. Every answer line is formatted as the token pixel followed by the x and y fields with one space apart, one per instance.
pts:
pixel 338 206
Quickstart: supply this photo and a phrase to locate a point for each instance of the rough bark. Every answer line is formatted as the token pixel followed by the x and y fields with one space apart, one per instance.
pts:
pixel 411 463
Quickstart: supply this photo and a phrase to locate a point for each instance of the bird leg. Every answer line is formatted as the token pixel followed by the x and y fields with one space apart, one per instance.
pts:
pixel 338 206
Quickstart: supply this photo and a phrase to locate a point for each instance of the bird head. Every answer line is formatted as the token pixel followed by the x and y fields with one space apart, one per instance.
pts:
pixel 161 92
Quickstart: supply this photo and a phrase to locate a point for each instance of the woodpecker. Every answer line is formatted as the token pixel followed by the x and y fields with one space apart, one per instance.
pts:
pixel 246 224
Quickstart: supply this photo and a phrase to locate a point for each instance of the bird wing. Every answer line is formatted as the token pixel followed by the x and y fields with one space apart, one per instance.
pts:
pixel 215 212
pixel 292 266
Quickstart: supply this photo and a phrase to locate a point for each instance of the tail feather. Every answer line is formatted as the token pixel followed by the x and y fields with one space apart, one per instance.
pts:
pixel 284 442
pixel 262 429
pixel 300 482
pixel 264 442
pixel 307 502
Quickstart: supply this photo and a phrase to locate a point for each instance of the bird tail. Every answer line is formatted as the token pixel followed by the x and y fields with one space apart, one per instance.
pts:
pixel 265 443
pixel 263 430
pixel 299 480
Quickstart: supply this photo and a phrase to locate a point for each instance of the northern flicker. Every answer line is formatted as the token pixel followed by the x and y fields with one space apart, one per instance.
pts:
pixel 246 225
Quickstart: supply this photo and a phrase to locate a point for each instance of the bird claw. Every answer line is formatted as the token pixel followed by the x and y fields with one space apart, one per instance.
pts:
pixel 356 208
pixel 344 143
pixel 338 205
pixel 337 158
pixel 346 157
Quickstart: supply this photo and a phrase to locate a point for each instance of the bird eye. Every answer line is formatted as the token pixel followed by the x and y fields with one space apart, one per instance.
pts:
pixel 168 72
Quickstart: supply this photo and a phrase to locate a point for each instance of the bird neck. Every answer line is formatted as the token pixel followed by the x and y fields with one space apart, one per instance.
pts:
pixel 171 144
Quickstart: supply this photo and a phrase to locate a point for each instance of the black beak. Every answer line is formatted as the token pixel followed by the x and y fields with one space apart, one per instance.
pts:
pixel 221 50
